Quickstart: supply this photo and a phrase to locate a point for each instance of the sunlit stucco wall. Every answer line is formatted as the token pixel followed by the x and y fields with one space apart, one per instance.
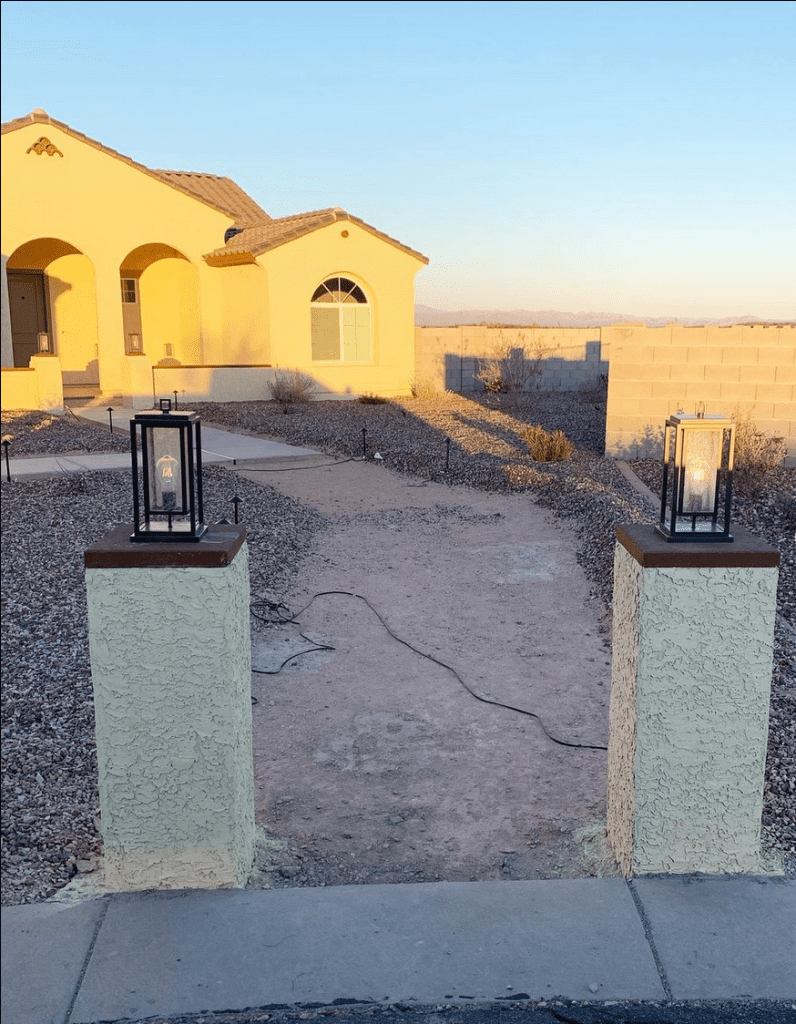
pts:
pixel 104 208
pixel 386 275
pixel 247 335
pixel 170 321
pixel 72 290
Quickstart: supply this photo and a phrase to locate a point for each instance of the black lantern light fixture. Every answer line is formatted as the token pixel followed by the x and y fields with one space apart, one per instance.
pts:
pixel 43 343
pixel 696 493
pixel 167 497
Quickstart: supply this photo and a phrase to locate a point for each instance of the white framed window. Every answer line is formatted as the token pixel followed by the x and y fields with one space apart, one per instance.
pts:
pixel 129 290
pixel 341 323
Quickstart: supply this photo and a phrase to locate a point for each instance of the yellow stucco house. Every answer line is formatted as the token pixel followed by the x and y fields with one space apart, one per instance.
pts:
pixel 119 280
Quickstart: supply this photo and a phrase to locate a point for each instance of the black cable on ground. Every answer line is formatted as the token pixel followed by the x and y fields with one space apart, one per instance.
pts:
pixel 293 469
pixel 429 657
pixel 275 606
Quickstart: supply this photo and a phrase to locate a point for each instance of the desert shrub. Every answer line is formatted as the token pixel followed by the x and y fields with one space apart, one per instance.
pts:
pixel 423 387
pixel 372 400
pixel 512 369
pixel 290 387
pixel 547 446
pixel 757 454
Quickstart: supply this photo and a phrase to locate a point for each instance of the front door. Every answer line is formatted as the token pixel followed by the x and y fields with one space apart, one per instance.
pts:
pixel 28 314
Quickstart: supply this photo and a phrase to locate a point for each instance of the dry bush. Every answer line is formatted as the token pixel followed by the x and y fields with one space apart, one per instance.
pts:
pixel 757 455
pixel 546 446
pixel 512 369
pixel 290 387
pixel 423 387
pixel 369 399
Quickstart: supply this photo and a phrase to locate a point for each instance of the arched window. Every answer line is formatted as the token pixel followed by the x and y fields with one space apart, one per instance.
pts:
pixel 341 330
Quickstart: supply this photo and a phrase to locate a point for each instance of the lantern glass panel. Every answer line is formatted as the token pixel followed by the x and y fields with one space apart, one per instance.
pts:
pixel 702 458
pixel 166 491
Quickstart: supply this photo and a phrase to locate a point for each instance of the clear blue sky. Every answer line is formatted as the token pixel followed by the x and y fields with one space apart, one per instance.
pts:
pixel 635 158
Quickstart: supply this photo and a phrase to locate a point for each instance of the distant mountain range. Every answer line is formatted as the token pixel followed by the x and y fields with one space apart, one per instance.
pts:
pixel 426 316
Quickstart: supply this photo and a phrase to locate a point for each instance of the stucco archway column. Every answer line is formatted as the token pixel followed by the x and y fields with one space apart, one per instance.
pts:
pixel 5 316
pixel 110 326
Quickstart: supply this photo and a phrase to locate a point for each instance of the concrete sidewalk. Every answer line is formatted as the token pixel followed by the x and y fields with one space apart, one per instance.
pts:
pixel 218 446
pixel 145 954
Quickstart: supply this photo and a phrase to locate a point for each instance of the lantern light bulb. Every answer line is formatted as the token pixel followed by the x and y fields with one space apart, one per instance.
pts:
pixel 166 469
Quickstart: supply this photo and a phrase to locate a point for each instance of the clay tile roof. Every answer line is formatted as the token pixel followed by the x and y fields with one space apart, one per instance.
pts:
pixel 261 237
pixel 220 191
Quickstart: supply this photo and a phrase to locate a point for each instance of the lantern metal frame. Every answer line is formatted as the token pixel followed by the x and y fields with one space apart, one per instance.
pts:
pixel 684 478
pixel 182 518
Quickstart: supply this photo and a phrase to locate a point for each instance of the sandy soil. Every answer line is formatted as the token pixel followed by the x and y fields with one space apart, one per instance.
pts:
pixel 373 763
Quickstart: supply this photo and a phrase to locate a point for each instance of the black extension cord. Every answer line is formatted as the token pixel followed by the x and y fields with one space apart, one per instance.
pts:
pixel 282 620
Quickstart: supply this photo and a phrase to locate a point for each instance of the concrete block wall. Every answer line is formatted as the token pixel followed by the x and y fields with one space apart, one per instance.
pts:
pixel 656 371
pixel 449 357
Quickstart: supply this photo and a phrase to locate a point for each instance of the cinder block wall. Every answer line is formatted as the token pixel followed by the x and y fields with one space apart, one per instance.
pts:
pixel 656 371
pixel 449 357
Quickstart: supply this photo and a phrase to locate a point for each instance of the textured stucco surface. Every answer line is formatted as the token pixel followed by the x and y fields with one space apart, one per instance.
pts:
pixel 702 668
pixel 171 669
pixel 622 718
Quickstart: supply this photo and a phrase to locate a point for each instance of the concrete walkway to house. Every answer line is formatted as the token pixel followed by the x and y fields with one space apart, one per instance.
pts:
pixel 145 954
pixel 141 955
pixel 218 446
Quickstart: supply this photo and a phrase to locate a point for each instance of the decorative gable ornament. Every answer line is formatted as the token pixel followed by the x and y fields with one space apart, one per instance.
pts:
pixel 43 145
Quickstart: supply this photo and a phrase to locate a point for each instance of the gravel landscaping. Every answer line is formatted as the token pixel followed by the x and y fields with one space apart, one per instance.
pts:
pixel 50 805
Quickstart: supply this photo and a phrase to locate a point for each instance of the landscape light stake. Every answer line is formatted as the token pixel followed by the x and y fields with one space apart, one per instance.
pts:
pixel 447 454
pixel 175 406
pixel 236 501
pixel 364 443
pixel 8 467
pixel 110 416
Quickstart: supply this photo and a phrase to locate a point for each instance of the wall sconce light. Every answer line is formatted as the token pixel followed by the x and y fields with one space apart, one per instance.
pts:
pixel 44 343
pixel 696 493
pixel 167 498
pixel 134 345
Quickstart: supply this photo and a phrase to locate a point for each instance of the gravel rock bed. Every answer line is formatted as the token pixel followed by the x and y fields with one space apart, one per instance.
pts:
pixel 33 434
pixel 50 800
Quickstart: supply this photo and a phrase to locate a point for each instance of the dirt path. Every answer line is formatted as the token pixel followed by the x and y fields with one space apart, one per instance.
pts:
pixel 374 764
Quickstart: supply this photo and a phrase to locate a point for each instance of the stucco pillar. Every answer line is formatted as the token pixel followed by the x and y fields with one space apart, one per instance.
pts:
pixel 693 643
pixel 110 323
pixel 137 382
pixel 171 670
pixel 7 358
pixel 50 382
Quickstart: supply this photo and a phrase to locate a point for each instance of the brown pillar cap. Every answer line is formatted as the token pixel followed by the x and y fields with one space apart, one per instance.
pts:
pixel 653 551
pixel 217 548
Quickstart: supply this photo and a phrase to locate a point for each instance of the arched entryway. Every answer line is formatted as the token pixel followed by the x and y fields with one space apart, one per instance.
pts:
pixel 51 291
pixel 159 305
